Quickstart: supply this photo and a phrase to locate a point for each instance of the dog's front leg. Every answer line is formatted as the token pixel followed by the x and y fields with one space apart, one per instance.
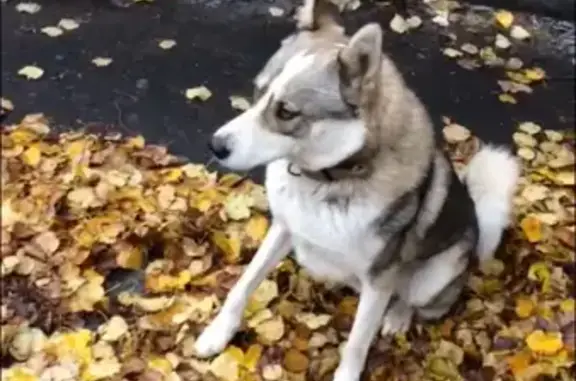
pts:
pixel 274 248
pixel 374 299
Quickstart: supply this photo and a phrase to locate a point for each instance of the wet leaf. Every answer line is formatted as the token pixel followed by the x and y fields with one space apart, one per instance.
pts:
pixel 31 72
pixel 239 103
pixel 504 18
pixel 68 24
pixel 52 31
pixel 519 33
pixel 167 44
pixel 201 92
pixel 28 7
pixel 102 61
pixel 545 343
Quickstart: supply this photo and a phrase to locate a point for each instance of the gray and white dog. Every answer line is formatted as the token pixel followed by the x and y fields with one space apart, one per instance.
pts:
pixel 357 185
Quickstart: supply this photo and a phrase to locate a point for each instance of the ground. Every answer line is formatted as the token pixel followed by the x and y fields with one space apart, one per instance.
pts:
pixel 115 253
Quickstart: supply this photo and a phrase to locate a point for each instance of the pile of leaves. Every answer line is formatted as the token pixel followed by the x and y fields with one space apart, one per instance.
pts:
pixel 115 255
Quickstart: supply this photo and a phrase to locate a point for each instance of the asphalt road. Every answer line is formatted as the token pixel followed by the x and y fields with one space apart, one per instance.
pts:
pixel 222 44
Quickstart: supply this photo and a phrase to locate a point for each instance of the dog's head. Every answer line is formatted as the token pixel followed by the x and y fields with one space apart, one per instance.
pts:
pixel 307 96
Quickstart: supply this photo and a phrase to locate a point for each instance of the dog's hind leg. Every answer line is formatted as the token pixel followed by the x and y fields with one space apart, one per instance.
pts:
pixel 374 299
pixel 274 248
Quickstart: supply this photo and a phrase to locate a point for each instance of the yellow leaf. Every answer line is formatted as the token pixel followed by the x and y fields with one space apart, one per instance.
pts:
pixel 137 142
pixel 90 293
pixel 539 272
pixel 19 373
pixel 239 103
pixel 238 206
pixel 160 364
pixel 252 357
pixel 535 74
pixel 102 61
pixel 32 156
pixel 256 228
pixel 565 178
pixel 113 329
pixel 568 305
pixel 504 18
pixel 524 307
pixel 532 228
pixel 507 98
pixel 519 362
pixel 547 343
pixel 227 365
pixel 229 244
pixel 264 294
pixel 31 72
pixel 201 92
pixel 165 283
pixel 73 344
pixel 129 257
pixel 271 330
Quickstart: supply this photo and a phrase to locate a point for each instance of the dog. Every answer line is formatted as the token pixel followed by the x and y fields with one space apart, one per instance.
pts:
pixel 358 187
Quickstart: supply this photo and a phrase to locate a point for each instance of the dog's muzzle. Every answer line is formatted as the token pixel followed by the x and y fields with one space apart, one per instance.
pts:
pixel 218 145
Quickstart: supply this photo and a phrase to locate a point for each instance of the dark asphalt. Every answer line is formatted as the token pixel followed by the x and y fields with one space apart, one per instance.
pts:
pixel 222 44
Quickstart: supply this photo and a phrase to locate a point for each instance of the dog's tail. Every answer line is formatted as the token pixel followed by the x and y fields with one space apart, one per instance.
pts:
pixel 491 178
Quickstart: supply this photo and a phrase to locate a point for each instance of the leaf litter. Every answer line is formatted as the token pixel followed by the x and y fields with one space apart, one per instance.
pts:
pixel 77 208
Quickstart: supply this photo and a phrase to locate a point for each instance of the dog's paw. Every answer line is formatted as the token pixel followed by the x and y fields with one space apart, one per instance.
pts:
pixel 217 335
pixel 348 372
pixel 397 319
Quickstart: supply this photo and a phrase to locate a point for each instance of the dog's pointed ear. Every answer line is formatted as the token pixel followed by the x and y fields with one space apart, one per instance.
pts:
pixel 316 14
pixel 360 62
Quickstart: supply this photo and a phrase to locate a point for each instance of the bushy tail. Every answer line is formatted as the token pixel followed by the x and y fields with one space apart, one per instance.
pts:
pixel 491 178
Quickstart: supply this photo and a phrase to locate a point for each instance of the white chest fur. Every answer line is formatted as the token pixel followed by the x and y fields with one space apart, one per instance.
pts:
pixel 333 238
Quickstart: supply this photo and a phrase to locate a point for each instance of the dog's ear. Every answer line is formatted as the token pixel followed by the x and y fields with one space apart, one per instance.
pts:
pixel 360 62
pixel 316 14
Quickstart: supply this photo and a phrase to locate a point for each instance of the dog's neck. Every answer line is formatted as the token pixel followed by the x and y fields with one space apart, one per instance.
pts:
pixel 358 166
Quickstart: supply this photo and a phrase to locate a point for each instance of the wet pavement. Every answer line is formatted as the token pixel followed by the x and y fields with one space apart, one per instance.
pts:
pixel 222 44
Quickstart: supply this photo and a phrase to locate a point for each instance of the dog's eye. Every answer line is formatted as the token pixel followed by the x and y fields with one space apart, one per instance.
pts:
pixel 285 113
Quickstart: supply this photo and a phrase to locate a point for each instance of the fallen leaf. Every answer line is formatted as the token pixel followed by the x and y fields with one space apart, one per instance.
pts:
pixel 31 72
pixel 52 31
pixel 398 24
pixel 507 98
pixel 167 44
pixel 30 8
pixel 102 61
pixel 295 361
pixel 519 33
pixel 276 11
pixel 201 92
pixel 531 227
pixel 239 103
pixel 524 307
pixel 7 104
pixel 504 18
pixel 452 53
pixel 502 42
pixel 68 24
pixel 113 329
pixel 469 48
pixel 547 343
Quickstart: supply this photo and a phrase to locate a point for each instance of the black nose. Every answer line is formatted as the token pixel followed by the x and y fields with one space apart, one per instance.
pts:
pixel 219 147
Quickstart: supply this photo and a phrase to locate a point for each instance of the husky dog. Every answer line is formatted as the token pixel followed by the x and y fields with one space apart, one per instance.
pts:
pixel 358 188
